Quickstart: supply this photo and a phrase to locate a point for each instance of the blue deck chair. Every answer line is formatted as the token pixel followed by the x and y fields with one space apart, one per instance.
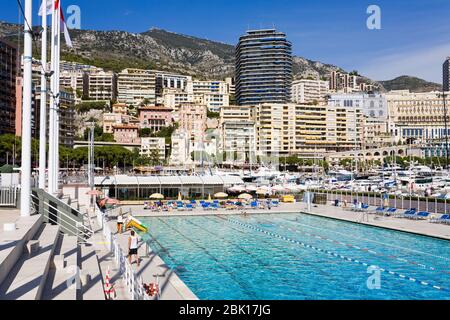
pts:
pixel 390 212
pixel 214 206
pixel 410 214
pixel 275 203
pixel 445 218
pixel 254 205
pixel 205 205
pixel 422 215
pixel 180 205
pixel 189 207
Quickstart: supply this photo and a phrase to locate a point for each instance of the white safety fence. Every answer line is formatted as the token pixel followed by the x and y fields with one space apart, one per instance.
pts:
pixel 8 196
pixel 432 205
pixel 134 284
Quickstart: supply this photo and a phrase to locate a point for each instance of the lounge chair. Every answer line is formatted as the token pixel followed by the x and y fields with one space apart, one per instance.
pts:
pixel 254 205
pixel 189 207
pixel 180 206
pixel 391 212
pixel 206 205
pixel 275 203
pixel 410 214
pixel 214 206
pixel 379 210
pixel 445 218
pixel 422 215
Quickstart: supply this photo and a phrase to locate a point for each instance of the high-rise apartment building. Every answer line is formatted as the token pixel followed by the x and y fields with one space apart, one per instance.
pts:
pixel 263 68
pixel 8 74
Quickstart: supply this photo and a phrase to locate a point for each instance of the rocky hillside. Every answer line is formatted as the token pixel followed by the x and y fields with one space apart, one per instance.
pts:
pixel 412 83
pixel 168 51
pixel 162 50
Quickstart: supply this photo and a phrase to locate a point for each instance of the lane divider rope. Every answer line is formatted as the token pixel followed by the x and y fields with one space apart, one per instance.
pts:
pixel 252 227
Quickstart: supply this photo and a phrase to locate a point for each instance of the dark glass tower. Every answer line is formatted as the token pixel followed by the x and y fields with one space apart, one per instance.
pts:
pixel 263 68
pixel 8 73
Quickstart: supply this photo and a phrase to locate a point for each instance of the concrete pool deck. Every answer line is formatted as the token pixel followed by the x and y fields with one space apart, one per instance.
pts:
pixel 420 227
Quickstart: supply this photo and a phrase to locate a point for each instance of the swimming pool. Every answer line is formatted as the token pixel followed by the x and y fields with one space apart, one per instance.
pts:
pixel 299 256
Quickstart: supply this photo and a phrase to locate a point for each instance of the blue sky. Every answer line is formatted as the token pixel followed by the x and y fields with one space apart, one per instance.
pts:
pixel 414 38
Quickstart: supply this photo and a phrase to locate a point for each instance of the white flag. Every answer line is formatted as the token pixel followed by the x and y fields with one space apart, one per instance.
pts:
pixel 49 7
pixel 65 29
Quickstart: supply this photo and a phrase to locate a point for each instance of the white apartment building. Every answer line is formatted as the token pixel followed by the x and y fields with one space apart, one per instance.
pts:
pixel 309 91
pixel 173 98
pixel 287 129
pixel 213 94
pixel 149 144
pixel 172 81
pixel 192 119
pixel 231 86
pixel 373 105
pixel 101 85
pixel 416 117
pixel 181 152
pixel 73 79
pixel 136 85
pixel 343 82
pixel 237 132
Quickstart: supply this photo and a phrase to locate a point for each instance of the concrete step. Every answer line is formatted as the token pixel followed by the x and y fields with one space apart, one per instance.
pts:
pixel 27 278
pixel 63 278
pixel 13 242
pixel 93 288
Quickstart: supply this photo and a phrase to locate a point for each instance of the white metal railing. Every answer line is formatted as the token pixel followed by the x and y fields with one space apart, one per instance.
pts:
pixel 401 202
pixel 8 196
pixel 67 223
pixel 134 284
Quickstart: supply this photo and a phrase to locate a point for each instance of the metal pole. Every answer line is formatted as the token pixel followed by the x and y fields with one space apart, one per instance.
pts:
pixel 43 110
pixel 52 109
pixel 25 193
pixel 57 114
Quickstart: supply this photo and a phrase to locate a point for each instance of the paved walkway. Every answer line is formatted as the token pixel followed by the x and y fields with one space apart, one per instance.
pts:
pixel 171 286
pixel 422 227
pixel 8 216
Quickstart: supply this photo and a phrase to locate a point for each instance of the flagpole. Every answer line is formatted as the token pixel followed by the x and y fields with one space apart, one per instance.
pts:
pixel 25 192
pixel 43 110
pixel 51 131
pixel 57 114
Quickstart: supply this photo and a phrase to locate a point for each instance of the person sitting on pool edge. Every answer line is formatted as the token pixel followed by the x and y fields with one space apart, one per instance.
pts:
pixel 133 247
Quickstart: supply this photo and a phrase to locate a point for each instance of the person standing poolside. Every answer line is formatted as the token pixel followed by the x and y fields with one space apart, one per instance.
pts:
pixel 119 223
pixel 133 247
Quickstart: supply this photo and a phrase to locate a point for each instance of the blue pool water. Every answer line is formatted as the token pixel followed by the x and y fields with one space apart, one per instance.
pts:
pixel 299 256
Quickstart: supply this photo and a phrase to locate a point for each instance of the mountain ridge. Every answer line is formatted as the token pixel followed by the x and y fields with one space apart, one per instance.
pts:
pixel 170 51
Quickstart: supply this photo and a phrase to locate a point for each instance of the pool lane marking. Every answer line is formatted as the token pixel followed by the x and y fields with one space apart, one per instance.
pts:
pixel 374 241
pixel 325 274
pixel 225 268
pixel 265 264
pixel 364 249
pixel 361 249
pixel 249 226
